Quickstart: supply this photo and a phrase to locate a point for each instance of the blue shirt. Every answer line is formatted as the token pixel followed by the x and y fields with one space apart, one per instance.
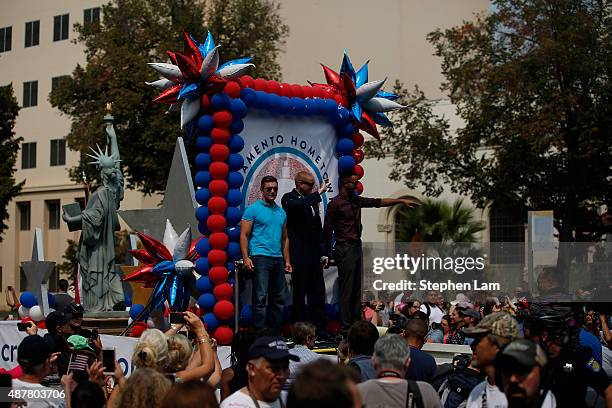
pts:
pixel 267 232
pixel 422 366
pixel 589 340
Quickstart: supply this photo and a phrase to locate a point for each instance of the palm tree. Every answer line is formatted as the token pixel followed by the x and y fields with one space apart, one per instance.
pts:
pixel 438 221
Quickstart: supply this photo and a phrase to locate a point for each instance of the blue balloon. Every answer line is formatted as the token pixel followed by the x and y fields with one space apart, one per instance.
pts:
pixel 202 178
pixel 207 301
pixel 235 179
pixel 345 147
pixel 202 196
pixel 233 251
pixel 343 115
pixel 276 105
pixel 236 143
pixel 234 198
pixel 230 267
pixel 233 233
pixel 203 246
pixel 51 300
pixel 346 164
pixel 233 216
pixel 127 299
pixel 236 127
pixel 246 315
pixel 211 322
pixel 203 285
pixel 27 299
pixel 284 105
pixel 336 313
pixel 263 101
pixel 203 143
pixel 347 130
pixel 202 266
pixel 235 162
pixel 203 228
pixel 202 212
pixel 248 96
pixel 220 101
pixel 329 106
pixel 238 108
pixel 231 281
pixel 202 161
pixel 297 106
pixel 205 123
pixel 135 310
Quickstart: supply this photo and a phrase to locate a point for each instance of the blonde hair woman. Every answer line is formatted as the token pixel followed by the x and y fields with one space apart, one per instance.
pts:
pixel 151 351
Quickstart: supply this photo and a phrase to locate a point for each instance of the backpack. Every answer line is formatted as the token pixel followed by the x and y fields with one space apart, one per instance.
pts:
pixel 455 381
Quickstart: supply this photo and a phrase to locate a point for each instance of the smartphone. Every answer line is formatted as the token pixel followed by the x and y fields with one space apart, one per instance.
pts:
pixel 23 326
pixel 108 361
pixel 177 318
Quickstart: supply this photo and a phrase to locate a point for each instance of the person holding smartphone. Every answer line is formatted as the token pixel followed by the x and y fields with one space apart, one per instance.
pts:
pixel 305 232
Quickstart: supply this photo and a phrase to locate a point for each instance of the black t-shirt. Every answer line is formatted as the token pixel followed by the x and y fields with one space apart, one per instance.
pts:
pixel 422 366
pixel 570 378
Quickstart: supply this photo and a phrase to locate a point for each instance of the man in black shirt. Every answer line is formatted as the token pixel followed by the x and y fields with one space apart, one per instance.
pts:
pixel 305 237
pixel 343 220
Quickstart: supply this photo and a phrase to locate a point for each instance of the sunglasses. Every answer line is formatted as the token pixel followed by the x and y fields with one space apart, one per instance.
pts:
pixel 270 189
pixel 306 183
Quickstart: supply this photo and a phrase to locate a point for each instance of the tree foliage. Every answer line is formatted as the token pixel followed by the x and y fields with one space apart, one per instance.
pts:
pixel 9 146
pixel 133 33
pixel 532 83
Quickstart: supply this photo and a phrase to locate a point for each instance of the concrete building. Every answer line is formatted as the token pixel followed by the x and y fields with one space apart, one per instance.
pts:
pixel 391 33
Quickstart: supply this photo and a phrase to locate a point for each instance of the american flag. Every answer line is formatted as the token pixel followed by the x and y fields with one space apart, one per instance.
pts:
pixel 78 362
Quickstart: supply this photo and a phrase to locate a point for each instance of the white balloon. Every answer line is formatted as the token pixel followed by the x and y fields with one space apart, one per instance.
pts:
pixel 210 63
pixel 368 91
pixel 161 84
pixel 170 237
pixel 168 71
pixel 23 311
pixel 36 313
pixel 189 110
pixel 381 105
pixel 235 71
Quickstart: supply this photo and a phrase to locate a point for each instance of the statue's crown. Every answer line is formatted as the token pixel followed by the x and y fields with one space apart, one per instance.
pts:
pixel 101 159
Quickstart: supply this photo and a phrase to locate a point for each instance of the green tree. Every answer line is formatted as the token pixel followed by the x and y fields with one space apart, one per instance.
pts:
pixel 439 221
pixel 532 83
pixel 9 146
pixel 133 33
pixel 68 268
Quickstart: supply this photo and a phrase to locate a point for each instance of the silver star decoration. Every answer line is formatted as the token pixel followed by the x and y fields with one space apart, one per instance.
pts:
pixel 38 271
pixel 178 206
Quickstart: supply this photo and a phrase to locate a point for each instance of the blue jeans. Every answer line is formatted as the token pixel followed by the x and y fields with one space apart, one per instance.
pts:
pixel 269 281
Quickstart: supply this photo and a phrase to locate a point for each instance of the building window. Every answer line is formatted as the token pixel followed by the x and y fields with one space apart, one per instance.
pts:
pixel 53 212
pixel 507 235
pixel 30 94
pixel 91 15
pixel 58 152
pixel 28 155
pixel 24 215
pixel 32 33
pixel 6 37
pixel 60 27
pixel 56 81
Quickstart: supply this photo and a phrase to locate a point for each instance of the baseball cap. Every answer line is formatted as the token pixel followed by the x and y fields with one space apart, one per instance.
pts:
pixel 55 319
pixel 32 351
pixel 271 348
pixel 499 324
pixel 470 312
pixel 459 299
pixel 79 342
pixel 525 351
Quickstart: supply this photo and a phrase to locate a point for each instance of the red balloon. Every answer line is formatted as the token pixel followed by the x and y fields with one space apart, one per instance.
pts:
pixel 286 90
pixel 219 152
pixel 216 257
pixel 224 309
pixel 358 155
pixel 223 335
pixel 223 291
pixel 261 84
pixel 232 89
pixel 340 100
pixel 358 139
pixel 273 87
pixel 246 81
pixel 218 240
pixel 218 188
pixel 298 92
pixel 216 223
pixel 307 91
pixel 358 170
pixel 359 188
pixel 317 92
pixel 218 170
pixel 217 274
pixel 205 103
pixel 222 119
pixel 218 205
pixel 329 93
pixel 220 135
pixel 41 324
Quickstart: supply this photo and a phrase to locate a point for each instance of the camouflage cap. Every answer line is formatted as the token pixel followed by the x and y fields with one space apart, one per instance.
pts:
pixel 499 324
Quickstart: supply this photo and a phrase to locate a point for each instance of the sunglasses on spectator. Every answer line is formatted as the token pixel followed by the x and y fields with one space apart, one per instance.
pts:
pixel 270 189
pixel 309 184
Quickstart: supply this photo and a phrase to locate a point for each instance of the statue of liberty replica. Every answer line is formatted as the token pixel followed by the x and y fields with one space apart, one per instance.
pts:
pixel 101 285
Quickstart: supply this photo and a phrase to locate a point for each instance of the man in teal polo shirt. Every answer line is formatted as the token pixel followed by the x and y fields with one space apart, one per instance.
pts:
pixel 265 250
